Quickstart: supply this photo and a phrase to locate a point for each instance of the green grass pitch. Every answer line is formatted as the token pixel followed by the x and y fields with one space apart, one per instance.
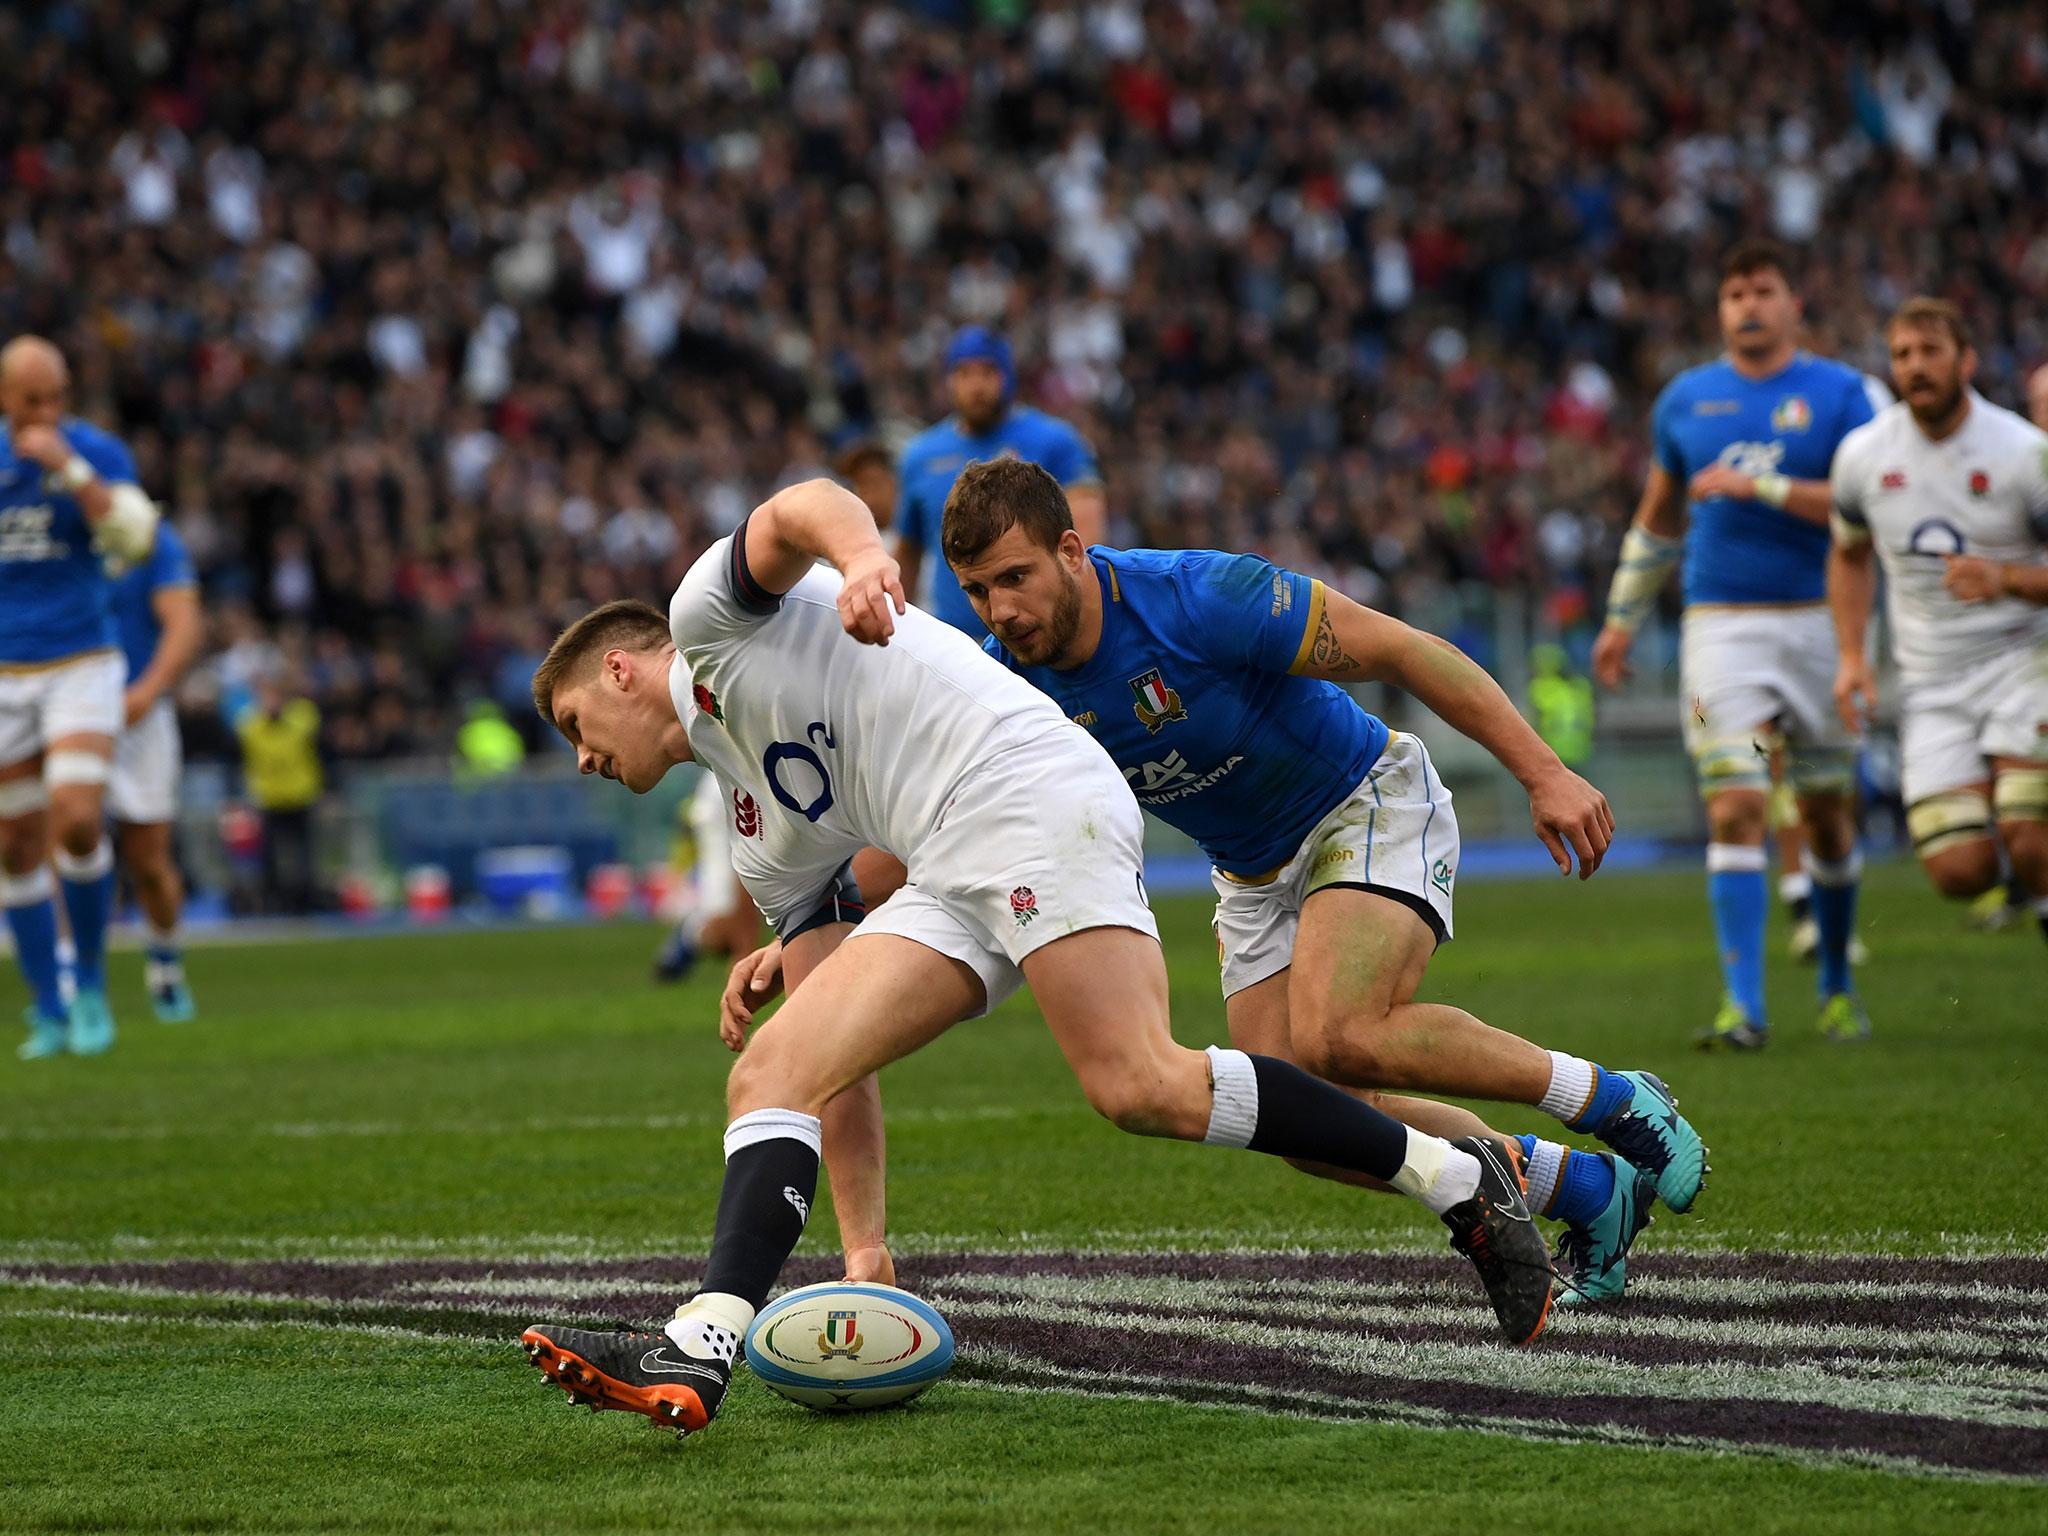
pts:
pixel 266 1271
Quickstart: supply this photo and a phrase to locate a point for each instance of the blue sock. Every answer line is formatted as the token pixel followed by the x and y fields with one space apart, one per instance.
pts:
pixel 1585 1189
pixel 88 900
pixel 1834 912
pixel 1582 1186
pixel 35 950
pixel 1741 899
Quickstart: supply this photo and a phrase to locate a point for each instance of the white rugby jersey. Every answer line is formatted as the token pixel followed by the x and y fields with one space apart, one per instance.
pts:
pixel 1982 490
pixel 823 745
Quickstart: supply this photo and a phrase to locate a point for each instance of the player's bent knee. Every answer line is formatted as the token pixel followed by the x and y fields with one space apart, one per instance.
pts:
pixel 1344 1050
pixel 768 1077
pixel 1963 871
pixel 1952 830
pixel 1145 1101
pixel 1738 815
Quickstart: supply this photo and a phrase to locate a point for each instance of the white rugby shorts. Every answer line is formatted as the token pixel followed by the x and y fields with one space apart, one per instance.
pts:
pixel 1950 727
pixel 75 697
pixel 148 759
pixel 1748 672
pixel 1043 840
pixel 1395 835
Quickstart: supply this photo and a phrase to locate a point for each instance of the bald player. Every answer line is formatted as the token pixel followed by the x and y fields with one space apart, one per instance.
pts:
pixel 68 500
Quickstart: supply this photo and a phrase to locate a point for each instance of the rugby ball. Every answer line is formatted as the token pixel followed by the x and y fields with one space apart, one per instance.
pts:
pixel 847 1345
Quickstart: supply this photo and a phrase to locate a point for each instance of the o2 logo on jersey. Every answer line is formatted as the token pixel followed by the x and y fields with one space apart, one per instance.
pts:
pixel 1935 536
pixel 803 766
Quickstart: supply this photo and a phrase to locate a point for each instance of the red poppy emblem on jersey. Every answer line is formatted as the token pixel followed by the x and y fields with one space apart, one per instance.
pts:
pixel 746 814
pixel 707 701
pixel 1894 480
pixel 1980 483
pixel 1023 905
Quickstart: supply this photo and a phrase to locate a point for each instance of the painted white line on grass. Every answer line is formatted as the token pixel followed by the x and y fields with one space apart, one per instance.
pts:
pixel 1552 1374
pixel 1265 1401
pixel 318 1130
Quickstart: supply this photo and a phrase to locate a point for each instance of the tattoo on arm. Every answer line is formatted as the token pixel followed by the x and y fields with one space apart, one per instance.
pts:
pixel 1329 657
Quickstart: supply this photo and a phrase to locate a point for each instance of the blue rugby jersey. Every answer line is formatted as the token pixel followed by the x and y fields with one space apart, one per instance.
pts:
pixel 932 461
pixel 53 591
pixel 168 565
pixel 1788 424
pixel 1195 691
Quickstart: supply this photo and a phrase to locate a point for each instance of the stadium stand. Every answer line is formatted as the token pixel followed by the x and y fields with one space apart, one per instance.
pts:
pixel 434 324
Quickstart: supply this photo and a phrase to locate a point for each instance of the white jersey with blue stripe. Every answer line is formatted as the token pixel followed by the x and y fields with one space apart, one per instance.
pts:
pixel 53 591
pixel 1747 551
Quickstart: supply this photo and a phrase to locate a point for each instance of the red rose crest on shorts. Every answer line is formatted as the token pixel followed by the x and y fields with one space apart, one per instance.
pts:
pixel 1023 905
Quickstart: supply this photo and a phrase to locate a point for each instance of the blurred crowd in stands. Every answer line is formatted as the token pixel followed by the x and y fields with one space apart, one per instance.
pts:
pixel 434 322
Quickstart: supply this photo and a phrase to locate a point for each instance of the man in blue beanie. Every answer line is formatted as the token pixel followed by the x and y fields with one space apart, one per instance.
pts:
pixel 986 423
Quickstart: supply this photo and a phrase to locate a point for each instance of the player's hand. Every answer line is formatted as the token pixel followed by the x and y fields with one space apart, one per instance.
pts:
pixel 754 982
pixel 1855 692
pixel 136 702
pixel 1569 813
pixel 871 596
pixel 1610 656
pixel 1972 579
pixel 1720 480
pixel 45 445
pixel 871 1264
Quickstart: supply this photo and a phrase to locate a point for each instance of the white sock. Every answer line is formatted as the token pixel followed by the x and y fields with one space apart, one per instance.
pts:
pixel 711 1325
pixel 1234 1101
pixel 1846 870
pixel 1545 1168
pixel 1570 1092
pixel 1794 887
pixel 1436 1173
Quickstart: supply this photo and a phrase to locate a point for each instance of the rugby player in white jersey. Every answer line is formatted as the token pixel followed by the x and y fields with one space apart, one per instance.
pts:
pixel 1949 493
pixel 851 720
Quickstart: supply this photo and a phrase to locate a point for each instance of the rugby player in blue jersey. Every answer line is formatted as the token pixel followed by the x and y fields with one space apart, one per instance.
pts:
pixel 1738 486
pixel 66 491
pixel 156 610
pixel 987 423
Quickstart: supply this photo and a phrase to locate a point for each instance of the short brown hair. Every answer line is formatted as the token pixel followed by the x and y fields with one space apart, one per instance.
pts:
pixel 625 625
pixel 1747 257
pixel 1935 313
pixel 991 497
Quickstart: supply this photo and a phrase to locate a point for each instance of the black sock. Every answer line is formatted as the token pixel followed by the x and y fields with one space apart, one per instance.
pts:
pixel 1304 1117
pixel 2016 893
pixel 762 1209
pixel 1800 908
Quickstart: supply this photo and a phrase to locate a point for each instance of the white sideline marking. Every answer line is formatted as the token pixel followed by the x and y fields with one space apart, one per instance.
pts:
pixel 1552 1374
pixel 1133 1387
pixel 316 1130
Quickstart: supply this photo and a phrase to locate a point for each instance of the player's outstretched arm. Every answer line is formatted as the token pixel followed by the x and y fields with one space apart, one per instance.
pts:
pixel 1649 550
pixel 822 520
pixel 1356 644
